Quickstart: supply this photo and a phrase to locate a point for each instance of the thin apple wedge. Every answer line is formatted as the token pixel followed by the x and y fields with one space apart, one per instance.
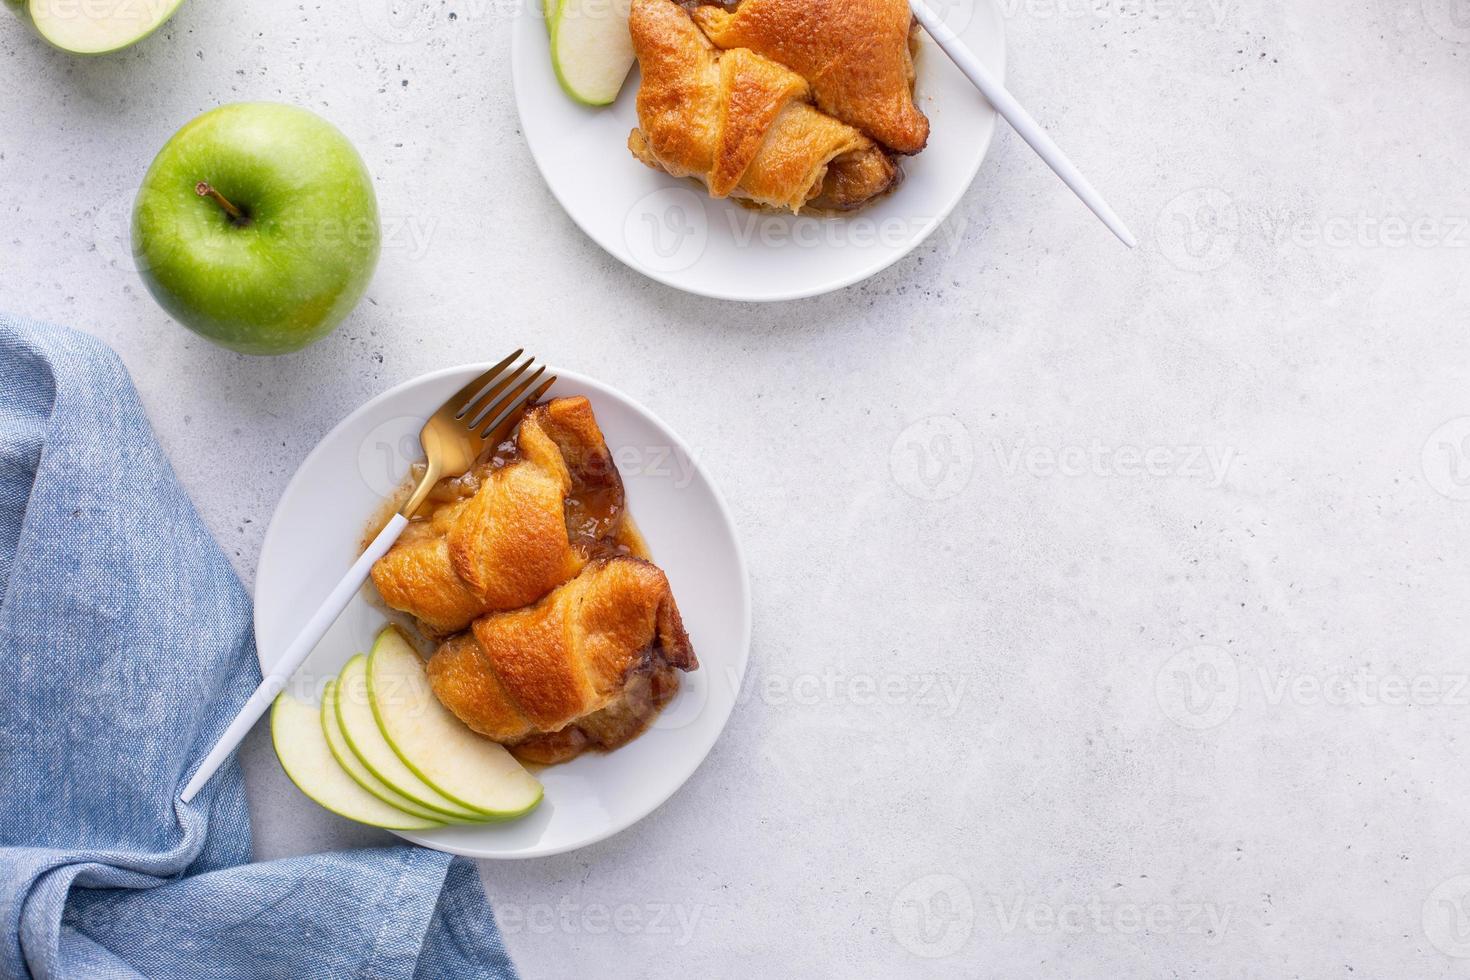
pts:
pixel 360 773
pixel 591 49
pixel 301 745
pixel 440 749
pixel 365 739
pixel 95 28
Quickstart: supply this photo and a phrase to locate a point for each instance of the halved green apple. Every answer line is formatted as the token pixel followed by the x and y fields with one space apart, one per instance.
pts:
pixel 301 745
pixel 360 730
pixel 440 749
pixel 591 49
pixel 95 27
pixel 360 773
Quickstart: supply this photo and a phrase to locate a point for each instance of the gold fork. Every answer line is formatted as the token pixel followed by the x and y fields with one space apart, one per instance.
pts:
pixel 480 415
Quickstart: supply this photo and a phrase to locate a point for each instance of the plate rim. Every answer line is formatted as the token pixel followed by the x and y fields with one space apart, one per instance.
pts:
pixel 531 10
pixel 575 379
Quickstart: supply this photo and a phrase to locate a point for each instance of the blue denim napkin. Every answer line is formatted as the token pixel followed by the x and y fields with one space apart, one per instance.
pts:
pixel 125 648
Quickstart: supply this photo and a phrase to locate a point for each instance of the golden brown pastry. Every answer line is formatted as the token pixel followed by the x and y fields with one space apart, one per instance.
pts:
pixel 590 664
pixel 742 123
pixel 540 509
pixel 855 54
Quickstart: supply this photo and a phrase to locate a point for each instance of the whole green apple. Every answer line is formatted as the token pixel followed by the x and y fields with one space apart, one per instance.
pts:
pixel 257 227
pixel 94 26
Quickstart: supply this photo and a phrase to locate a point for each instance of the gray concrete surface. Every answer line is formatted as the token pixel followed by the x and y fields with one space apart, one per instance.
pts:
pixel 1110 608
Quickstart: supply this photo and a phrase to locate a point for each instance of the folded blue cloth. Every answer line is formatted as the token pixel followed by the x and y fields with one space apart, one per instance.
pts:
pixel 125 648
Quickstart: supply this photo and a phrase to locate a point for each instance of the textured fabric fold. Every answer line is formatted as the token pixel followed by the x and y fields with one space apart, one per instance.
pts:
pixel 127 641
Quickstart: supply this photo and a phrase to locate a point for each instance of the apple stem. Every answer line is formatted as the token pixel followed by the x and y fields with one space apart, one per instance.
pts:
pixel 204 190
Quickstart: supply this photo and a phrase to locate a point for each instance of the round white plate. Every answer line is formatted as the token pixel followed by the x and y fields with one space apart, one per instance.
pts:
pixel 672 231
pixel 316 534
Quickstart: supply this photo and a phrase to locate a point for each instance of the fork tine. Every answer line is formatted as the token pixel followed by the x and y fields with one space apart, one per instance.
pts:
pixel 501 430
pixel 493 411
pixel 462 398
pixel 473 410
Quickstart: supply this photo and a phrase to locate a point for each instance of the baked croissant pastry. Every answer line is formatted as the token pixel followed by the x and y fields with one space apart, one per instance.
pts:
pixel 854 53
pixel 589 665
pixel 742 123
pixel 540 508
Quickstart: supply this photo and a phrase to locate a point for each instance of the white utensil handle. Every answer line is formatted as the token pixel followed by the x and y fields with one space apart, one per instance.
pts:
pixel 305 642
pixel 1015 114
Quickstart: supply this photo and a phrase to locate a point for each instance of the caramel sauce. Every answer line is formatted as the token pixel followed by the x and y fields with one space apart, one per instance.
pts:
pixel 646 690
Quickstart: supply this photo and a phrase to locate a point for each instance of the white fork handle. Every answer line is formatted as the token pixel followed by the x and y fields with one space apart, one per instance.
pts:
pixel 1021 121
pixel 310 635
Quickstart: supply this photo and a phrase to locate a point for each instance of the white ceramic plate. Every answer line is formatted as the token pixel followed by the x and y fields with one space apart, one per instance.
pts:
pixel 316 534
pixel 670 230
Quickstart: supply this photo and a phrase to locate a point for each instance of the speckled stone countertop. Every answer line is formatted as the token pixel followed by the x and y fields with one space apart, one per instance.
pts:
pixel 1110 608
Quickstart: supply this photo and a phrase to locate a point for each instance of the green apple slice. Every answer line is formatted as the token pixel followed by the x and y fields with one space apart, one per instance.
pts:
pixel 361 732
pixel 591 49
pixel 96 28
pixel 301 745
pixel 360 773
pixel 444 752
